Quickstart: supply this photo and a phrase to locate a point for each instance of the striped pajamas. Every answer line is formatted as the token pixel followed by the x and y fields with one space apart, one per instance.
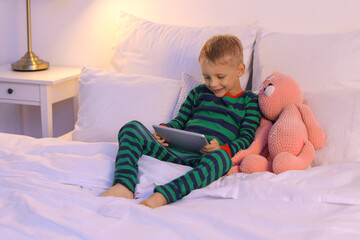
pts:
pixel 231 120
pixel 135 140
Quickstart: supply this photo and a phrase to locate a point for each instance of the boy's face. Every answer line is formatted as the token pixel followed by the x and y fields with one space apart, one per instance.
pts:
pixel 222 78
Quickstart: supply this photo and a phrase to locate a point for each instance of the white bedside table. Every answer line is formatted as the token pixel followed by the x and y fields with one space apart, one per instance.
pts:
pixel 39 88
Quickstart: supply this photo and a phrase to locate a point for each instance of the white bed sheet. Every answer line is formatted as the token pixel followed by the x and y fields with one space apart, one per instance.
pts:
pixel 49 190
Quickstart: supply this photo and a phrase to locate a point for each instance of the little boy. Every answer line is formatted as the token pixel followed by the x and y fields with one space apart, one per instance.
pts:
pixel 220 109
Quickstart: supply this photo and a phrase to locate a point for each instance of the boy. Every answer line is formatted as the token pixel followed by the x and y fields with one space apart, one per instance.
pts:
pixel 227 115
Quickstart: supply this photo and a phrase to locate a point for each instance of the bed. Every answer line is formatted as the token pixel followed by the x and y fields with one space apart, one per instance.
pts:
pixel 49 187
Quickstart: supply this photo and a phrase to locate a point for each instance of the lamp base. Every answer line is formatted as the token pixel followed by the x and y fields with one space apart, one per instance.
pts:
pixel 30 62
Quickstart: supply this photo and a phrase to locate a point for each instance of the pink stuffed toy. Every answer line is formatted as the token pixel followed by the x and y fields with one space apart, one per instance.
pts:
pixel 288 134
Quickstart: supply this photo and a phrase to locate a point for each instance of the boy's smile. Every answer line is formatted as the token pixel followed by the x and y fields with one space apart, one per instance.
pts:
pixel 222 78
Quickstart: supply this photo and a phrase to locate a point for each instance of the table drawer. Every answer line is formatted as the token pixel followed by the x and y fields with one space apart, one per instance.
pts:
pixel 19 91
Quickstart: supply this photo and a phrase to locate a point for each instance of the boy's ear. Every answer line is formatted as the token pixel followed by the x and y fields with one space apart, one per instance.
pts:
pixel 241 69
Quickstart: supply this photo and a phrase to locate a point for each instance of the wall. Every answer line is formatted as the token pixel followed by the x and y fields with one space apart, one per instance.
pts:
pixel 73 33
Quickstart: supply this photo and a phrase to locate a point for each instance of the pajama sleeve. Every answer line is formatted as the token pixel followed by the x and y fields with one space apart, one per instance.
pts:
pixel 185 112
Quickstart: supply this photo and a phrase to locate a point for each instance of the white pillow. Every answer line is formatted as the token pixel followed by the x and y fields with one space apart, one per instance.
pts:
pixel 108 100
pixel 338 113
pixel 189 82
pixel 316 62
pixel 168 50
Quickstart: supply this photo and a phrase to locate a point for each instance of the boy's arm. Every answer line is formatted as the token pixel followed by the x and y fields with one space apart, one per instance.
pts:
pixel 185 112
pixel 248 128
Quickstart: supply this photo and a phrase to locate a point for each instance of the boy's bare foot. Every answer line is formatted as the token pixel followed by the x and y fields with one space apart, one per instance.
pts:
pixel 155 200
pixel 118 190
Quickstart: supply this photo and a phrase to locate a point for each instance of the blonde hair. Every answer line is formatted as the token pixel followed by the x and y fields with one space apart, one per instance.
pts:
pixel 221 47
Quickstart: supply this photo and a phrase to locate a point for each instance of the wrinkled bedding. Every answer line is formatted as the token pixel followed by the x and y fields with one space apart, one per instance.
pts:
pixel 49 189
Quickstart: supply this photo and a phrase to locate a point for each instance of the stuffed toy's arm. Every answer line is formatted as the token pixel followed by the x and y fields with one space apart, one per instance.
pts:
pixel 260 141
pixel 315 133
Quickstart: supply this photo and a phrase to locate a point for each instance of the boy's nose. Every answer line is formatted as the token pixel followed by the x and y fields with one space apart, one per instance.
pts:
pixel 213 83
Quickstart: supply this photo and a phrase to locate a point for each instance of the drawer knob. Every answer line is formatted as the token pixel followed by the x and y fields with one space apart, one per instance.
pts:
pixel 10 91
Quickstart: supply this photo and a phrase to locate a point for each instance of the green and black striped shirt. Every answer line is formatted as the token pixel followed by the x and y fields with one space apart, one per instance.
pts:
pixel 232 120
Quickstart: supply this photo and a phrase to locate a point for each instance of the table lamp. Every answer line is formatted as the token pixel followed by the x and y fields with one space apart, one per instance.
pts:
pixel 29 62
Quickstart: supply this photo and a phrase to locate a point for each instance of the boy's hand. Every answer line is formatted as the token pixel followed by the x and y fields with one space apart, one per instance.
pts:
pixel 212 146
pixel 160 139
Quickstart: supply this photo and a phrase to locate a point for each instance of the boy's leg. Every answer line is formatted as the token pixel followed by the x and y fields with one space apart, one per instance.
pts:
pixel 134 141
pixel 209 168
pixel 181 157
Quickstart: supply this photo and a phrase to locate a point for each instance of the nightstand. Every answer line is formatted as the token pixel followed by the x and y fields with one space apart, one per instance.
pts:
pixel 39 88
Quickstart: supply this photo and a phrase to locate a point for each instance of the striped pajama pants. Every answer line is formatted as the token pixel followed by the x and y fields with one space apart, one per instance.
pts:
pixel 135 140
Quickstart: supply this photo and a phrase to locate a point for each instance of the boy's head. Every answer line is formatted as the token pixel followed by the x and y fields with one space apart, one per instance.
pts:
pixel 222 64
pixel 222 49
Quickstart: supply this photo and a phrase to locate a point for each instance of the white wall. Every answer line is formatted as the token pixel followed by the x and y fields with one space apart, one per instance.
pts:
pixel 73 33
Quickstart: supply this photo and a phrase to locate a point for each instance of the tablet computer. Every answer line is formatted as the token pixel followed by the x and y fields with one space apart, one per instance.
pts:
pixel 182 139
